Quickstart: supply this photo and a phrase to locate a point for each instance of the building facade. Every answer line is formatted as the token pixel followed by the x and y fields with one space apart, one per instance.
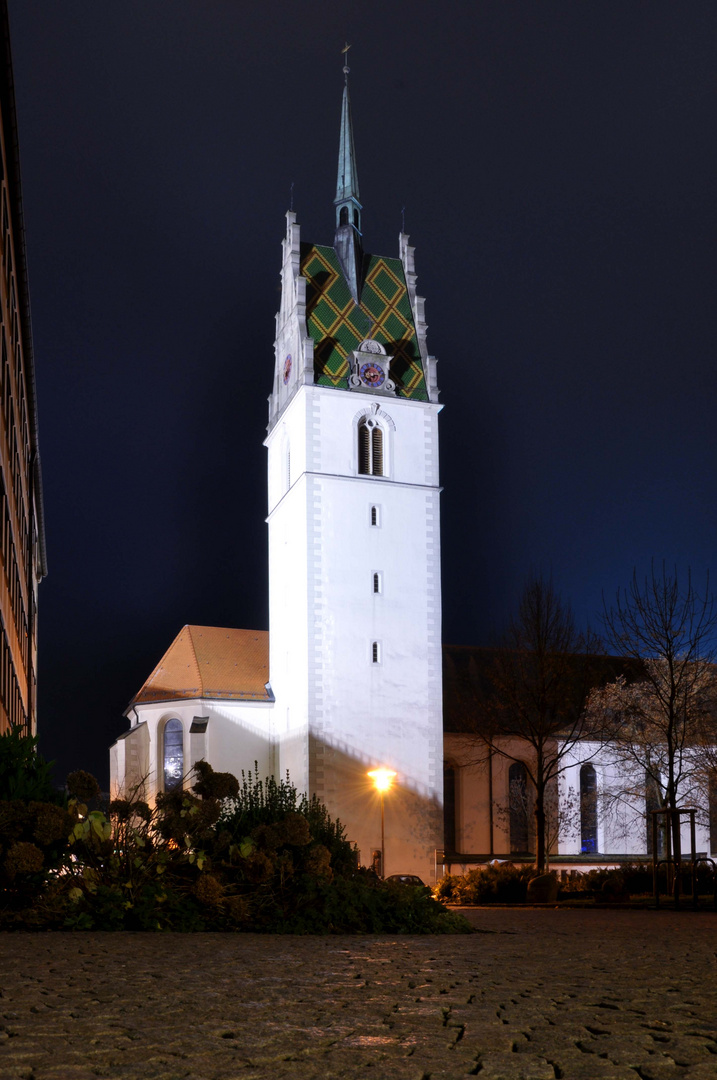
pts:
pixel 22 539
pixel 354 674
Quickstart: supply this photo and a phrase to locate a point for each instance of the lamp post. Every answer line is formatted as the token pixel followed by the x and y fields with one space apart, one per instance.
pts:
pixel 382 780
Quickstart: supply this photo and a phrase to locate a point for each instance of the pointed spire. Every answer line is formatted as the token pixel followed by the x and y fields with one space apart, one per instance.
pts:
pixel 347 241
pixel 347 188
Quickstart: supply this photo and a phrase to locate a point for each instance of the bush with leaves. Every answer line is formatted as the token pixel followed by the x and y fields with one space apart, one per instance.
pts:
pixel 221 856
pixel 24 773
pixel 497 883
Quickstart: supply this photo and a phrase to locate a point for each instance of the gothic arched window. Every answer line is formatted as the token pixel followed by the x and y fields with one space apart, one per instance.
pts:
pixel 652 803
pixel 519 809
pixel 173 754
pixel 588 810
pixel 344 215
pixel 712 807
pixel 370 448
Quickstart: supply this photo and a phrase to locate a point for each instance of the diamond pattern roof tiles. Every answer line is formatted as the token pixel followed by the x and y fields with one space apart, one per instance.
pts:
pixel 338 325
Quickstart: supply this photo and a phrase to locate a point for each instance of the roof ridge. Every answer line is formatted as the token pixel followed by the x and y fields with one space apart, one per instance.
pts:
pixel 190 628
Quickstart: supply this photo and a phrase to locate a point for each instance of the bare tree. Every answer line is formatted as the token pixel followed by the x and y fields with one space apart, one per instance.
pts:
pixel 534 708
pixel 663 720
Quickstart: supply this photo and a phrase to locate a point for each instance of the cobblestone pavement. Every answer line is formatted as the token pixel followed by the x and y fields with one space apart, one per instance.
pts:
pixel 614 995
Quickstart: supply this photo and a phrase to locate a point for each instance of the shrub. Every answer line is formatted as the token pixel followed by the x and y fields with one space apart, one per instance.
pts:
pixel 24 773
pixel 497 883
pixel 257 857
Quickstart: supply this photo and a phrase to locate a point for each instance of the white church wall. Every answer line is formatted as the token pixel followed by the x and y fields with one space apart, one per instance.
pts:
pixel 237 734
pixel 337 711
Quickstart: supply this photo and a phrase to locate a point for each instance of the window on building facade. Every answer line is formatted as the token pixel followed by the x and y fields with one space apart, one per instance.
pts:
pixel 652 802
pixel 519 809
pixel 370 448
pixel 449 808
pixel 375 516
pixel 588 809
pixel 376 652
pixel 173 753
pixel 377 583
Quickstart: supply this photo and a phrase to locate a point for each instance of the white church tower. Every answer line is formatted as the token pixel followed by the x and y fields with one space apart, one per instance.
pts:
pixel 354 536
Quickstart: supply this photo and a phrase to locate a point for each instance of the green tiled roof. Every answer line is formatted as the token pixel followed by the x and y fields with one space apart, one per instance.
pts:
pixel 338 325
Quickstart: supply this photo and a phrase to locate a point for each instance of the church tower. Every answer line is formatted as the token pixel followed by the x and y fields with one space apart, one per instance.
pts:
pixel 354 535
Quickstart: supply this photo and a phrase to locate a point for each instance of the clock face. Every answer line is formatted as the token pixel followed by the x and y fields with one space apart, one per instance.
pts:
pixel 287 368
pixel 372 374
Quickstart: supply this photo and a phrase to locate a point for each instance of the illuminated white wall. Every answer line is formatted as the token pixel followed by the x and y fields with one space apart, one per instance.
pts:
pixel 237 734
pixel 337 713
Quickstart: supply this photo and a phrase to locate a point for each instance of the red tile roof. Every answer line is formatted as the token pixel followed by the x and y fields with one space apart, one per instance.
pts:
pixel 211 662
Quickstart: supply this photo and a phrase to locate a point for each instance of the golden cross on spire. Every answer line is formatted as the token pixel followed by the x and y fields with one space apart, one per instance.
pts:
pixel 345 52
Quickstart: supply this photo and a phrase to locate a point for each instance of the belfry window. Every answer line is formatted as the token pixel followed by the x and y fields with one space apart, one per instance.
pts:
pixel 344 215
pixel 173 746
pixel 370 448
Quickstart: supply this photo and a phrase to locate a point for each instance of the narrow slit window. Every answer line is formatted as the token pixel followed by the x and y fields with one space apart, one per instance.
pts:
pixel 376 652
pixel 375 517
pixel 377 582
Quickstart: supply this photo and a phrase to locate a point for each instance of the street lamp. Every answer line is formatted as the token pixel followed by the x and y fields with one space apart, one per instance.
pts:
pixel 382 780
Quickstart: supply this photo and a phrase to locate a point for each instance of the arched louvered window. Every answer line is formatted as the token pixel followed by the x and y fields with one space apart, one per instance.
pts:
pixel 370 448
pixel 519 808
pixel 588 810
pixel 173 754
pixel 344 215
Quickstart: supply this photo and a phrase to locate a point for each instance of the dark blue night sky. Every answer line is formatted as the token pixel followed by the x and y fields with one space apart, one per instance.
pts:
pixel 558 167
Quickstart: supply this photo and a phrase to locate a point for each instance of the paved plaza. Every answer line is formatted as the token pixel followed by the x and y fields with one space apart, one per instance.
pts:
pixel 541 994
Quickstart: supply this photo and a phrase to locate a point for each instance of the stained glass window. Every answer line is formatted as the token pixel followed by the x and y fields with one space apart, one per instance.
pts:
pixel 173 754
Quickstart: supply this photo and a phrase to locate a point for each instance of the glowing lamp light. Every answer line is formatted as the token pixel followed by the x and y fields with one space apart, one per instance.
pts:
pixel 382 778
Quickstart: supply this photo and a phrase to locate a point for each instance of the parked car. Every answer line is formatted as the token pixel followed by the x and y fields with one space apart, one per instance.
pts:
pixel 406 879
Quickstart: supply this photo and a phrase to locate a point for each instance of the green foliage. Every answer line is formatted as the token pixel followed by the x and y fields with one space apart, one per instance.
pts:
pixel 82 785
pixel 220 857
pixel 500 883
pixel 24 773
pixel 33 844
pixel 635 879
pixel 266 802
